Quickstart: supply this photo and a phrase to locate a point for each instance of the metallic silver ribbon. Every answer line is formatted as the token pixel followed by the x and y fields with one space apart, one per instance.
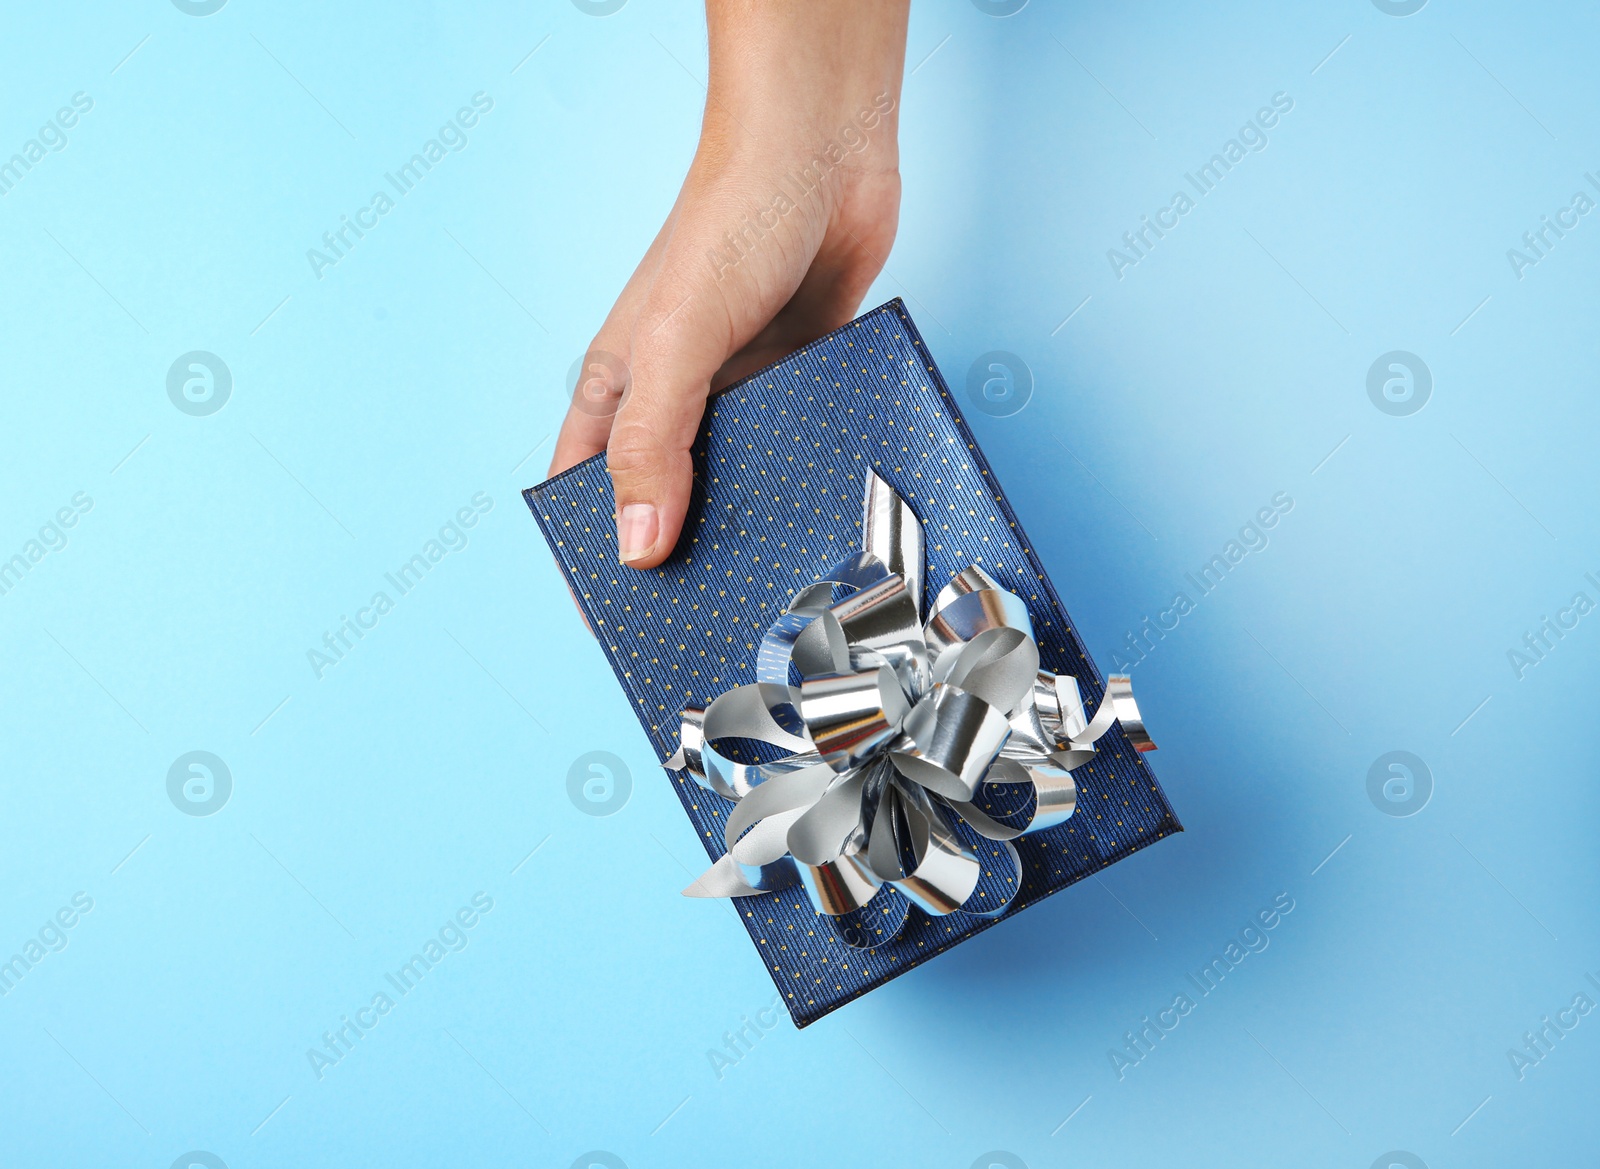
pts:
pixel 899 726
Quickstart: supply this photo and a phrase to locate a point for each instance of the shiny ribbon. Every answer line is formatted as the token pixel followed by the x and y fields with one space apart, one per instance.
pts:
pixel 899 727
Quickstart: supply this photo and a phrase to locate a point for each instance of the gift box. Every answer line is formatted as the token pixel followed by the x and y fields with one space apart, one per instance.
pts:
pixel 862 686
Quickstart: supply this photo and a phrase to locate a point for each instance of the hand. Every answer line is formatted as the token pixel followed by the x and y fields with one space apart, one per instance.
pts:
pixel 784 220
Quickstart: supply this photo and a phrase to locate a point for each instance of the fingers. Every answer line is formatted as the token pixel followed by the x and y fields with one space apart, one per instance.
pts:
pixel 588 420
pixel 681 339
pixel 603 377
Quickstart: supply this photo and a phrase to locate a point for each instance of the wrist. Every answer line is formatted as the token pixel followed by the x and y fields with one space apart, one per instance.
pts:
pixel 814 77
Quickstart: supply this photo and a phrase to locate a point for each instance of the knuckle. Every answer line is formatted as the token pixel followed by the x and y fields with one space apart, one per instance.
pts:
pixel 635 451
pixel 600 382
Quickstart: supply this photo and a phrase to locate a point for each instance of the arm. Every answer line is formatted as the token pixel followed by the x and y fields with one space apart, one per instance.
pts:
pixel 784 220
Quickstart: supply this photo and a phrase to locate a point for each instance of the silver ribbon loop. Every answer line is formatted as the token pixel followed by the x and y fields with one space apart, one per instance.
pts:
pixel 839 887
pixel 951 738
pixel 1119 689
pixel 851 716
pixel 745 712
pixel 900 732
pixel 999 665
pixel 881 620
pixel 823 833
pixel 946 871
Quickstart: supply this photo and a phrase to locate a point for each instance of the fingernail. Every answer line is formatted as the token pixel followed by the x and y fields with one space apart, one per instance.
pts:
pixel 637 525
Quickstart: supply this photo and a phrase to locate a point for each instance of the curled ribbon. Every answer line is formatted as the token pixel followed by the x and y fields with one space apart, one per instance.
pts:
pixel 899 727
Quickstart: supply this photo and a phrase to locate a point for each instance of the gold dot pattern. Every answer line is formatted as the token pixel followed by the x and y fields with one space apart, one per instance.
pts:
pixel 780 465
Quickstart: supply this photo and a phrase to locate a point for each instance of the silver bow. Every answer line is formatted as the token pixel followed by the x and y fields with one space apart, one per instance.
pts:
pixel 898 726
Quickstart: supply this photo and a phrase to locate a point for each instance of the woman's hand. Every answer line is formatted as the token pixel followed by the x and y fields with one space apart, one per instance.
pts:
pixel 784 220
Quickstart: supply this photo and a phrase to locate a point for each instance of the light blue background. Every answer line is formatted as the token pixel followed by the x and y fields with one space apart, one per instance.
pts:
pixel 372 403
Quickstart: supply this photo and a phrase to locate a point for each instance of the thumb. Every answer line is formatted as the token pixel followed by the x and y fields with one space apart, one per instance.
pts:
pixel 680 340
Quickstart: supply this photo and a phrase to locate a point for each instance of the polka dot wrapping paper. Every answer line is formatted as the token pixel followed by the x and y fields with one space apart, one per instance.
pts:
pixel 779 472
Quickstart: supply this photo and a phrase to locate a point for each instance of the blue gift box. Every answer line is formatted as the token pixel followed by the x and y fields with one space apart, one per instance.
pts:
pixel 780 465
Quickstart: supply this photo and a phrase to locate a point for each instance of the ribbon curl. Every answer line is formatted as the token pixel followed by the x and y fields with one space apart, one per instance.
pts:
pixel 899 727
